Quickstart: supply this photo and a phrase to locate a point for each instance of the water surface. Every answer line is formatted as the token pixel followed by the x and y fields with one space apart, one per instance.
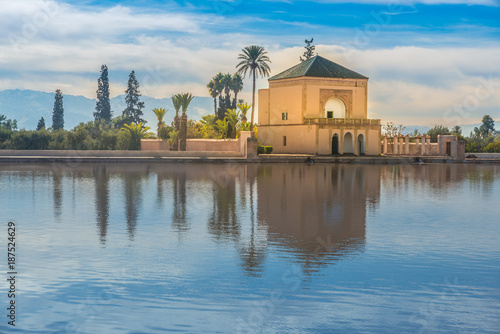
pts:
pixel 278 248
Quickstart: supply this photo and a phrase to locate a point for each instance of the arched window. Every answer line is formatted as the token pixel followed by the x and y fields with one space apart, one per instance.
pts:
pixel 334 108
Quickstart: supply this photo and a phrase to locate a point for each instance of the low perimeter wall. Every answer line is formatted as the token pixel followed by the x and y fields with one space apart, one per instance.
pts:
pixel 239 145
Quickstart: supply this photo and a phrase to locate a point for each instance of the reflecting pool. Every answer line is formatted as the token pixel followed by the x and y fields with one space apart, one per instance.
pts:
pixel 253 248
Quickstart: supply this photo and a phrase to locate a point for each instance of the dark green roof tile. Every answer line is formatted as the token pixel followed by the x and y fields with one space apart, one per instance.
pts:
pixel 318 67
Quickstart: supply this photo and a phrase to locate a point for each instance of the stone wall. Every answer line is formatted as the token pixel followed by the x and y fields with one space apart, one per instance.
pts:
pixel 423 146
pixel 203 145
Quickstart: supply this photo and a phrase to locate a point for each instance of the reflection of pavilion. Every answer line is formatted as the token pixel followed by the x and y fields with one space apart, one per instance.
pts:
pixel 319 210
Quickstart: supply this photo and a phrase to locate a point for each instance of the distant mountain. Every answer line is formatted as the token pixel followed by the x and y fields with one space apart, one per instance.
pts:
pixel 28 106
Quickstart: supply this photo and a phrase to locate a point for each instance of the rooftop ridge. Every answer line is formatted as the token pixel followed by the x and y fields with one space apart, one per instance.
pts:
pixel 318 67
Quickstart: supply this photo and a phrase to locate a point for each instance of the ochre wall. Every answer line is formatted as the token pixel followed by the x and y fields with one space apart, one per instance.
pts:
pixel 314 139
pixel 306 97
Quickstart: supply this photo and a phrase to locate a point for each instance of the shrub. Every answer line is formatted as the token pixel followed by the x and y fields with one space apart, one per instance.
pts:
pixel 264 149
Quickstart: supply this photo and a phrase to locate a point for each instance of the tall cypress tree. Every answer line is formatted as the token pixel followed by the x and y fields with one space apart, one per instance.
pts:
pixel 41 124
pixel 103 106
pixel 58 114
pixel 134 106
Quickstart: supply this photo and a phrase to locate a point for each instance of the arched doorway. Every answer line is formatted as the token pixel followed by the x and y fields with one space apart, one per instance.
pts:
pixel 334 108
pixel 348 143
pixel 361 144
pixel 335 144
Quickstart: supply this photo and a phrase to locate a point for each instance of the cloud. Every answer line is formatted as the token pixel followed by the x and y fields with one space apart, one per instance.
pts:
pixel 405 2
pixel 180 51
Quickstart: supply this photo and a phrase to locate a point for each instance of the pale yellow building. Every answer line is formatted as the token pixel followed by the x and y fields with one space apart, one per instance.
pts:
pixel 318 107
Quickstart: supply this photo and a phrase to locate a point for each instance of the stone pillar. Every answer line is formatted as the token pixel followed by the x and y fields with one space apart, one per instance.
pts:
pixel 251 148
pixel 396 145
pixel 417 145
pixel 385 145
pixel 407 144
pixel 428 146
pixel 401 145
pixel 441 146
pixel 422 150
pixel 454 148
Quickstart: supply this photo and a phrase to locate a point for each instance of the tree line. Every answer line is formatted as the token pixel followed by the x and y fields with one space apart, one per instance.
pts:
pixel 482 139
pixel 125 131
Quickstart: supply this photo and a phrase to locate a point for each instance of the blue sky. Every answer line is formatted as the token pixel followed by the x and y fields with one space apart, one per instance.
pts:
pixel 429 62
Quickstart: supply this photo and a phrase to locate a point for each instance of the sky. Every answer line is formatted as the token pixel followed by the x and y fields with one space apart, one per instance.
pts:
pixel 429 62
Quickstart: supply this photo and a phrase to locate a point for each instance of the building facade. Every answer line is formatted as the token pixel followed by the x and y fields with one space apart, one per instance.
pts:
pixel 318 107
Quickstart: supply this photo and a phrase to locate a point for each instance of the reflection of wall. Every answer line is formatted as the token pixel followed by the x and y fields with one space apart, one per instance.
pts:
pixel 308 205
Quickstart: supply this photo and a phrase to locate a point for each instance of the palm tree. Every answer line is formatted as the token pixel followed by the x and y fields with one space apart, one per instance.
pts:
pixel 236 86
pixel 254 60
pixel 212 90
pixel 160 113
pixel 222 126
pixel 244 109
pixel 176 101
pixel 185 99
pixel 232 119
pixel 226 83
pixel 218 83
pixel 136 132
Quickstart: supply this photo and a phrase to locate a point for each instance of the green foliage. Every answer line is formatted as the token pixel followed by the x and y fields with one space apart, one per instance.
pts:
pixel 103 106
pixel 202 130
pixel 136 132
pixel 392 130
pixel 222 126
pixel 41 124
pixel 254 60
pixel 134 106
pixel 173 138
pixel 119 121
pixel 185 99
pixel 264 149
pixel 309 53
pixel 8 124
pixel 58 113
pixel 176 101
pixel 244 107
pixel 487 128
pixel 160 113
pixel 456 130
pixel 164 132
pixel 436 131
pixel 232 119
pixel 493 147
pixel 482 139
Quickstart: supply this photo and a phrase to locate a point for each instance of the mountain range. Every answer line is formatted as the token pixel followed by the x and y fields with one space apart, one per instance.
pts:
pixel 28 106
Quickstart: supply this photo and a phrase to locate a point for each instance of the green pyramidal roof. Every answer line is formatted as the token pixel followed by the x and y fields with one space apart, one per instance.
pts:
pixel 318 67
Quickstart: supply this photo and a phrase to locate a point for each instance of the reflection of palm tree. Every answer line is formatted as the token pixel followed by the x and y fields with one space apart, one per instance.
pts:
pixel 102 200
pixel 133 199
pixel 252 256
pixel 179 219
pixel 254 60
pixel 223 221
